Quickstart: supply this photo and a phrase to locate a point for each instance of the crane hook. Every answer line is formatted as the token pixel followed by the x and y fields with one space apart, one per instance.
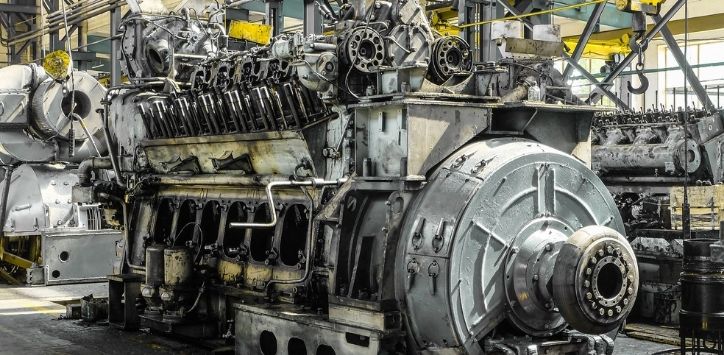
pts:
pixel 642 78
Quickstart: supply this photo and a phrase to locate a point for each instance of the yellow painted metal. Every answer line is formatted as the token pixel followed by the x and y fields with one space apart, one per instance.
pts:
pixel 696 24
pixel 601 49
pixel 12 258
pixel 651 7
pixel 57 64
pixel 442 20
pixel 253 32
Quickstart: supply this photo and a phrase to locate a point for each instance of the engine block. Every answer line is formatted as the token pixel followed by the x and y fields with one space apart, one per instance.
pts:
pixel 360 191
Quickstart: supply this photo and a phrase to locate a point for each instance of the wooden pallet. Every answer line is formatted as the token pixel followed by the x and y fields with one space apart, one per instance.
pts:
pixel 656 333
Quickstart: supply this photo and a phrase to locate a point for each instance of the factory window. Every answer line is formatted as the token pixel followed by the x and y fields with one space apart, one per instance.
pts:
pixel 707 65
pixel 580 85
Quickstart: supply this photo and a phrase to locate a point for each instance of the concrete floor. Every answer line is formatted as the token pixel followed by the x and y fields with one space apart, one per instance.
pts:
pixel 30 324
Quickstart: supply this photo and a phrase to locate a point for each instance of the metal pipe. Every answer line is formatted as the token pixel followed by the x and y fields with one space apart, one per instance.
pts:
pixel 59 25
pixel 5 194
pixel 314 182
pixel 109 144
pixel 88 165
pixel 308 250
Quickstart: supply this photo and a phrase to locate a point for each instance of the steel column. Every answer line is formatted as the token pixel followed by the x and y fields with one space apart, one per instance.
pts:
pixel 312 18
pixel 115 44
pixel 274 15
pixel 684 64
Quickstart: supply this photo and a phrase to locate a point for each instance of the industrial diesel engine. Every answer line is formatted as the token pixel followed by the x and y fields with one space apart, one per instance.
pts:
pixel 361 192
pixel 48 127
pixel 645 159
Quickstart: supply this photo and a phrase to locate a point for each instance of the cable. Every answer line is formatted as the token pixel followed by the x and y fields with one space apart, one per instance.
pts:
pixel 686 212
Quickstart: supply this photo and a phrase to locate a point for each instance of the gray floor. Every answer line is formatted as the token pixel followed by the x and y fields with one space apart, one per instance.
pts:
pixel 30 324
pixel 630 346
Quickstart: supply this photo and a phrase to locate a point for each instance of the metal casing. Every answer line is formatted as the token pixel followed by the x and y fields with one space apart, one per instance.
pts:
pixel 478 211
pixel 177 266
pixel 40 199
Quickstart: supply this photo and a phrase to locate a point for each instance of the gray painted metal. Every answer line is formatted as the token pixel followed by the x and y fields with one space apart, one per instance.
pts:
pixel 78 255
pixel 486 205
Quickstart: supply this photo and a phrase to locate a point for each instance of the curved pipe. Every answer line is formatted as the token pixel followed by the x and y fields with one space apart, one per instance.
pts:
pixel 87 166
pixel 310 242
pixel 270 199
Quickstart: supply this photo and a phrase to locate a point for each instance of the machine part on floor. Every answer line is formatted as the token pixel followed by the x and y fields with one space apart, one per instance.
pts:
pixel 47 127
pixel 93 309
pixel 702 282
pixel 359 191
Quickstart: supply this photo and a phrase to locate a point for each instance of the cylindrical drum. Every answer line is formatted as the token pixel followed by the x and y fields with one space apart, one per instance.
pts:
pixel 702 284
pixel 177 265
pixel 154 265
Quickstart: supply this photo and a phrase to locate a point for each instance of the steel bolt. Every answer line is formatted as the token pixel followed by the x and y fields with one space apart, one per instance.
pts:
pixel 549 246
pixel 588 271
pixel 625 301
pixel 618 309
pixel 535 277
pixel 630 291
pixel 589 296
pixel 600 252
pixel 586 284
pixel 593 260
pixel 610 312
pixel 601 311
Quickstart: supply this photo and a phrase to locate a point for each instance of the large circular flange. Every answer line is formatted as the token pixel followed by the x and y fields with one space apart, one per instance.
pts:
pixel 595 280
pixel 52 106
pixel 365 49
pixel 450 55
pixel 691 153
pixel 505 194
pixel 528 275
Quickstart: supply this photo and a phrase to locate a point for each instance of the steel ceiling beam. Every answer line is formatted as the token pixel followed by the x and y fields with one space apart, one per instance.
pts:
pixel 595 95
pixel 684 65
pixel 585 36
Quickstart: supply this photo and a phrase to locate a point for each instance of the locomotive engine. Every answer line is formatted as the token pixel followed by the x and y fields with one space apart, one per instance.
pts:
pixel 360 192
pixel 48 127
